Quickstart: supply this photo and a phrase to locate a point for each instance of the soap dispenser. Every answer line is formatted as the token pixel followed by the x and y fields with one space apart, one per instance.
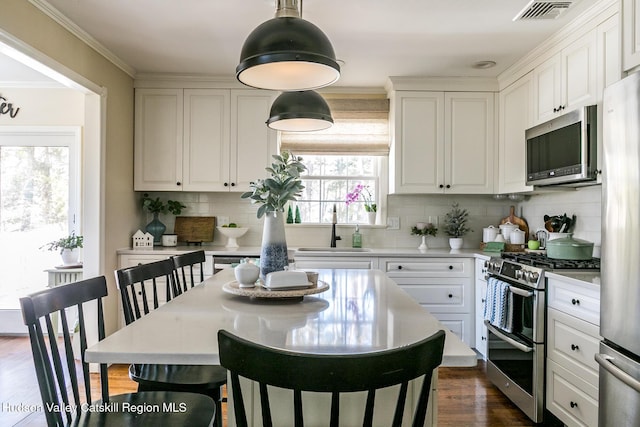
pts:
pixel 356 238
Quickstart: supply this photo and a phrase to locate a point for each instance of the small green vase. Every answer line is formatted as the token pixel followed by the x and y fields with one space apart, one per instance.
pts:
pixel 157 229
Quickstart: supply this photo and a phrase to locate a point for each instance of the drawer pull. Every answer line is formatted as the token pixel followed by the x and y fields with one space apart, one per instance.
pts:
pixel 399 267
pixel 573 404
pixel 450 295
pixel 574 347
pixel 451 267
pixel 575 301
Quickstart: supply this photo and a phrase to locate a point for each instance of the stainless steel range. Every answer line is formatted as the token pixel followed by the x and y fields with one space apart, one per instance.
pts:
pixel 515 314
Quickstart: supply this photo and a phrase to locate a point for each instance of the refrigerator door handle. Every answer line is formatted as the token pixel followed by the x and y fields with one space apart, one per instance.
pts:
pixel 607 364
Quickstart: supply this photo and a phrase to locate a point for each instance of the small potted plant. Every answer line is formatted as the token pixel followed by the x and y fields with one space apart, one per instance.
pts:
pixel 69 248
pixel 273 193
pixel 362 191
pixel 156 207
pixel 424 229
pixel 455 225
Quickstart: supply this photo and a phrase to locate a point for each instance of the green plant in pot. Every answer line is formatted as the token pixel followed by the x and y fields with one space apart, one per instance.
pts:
pixel 455 225
pixel 283 186
pixel 68 246
pixel 156 207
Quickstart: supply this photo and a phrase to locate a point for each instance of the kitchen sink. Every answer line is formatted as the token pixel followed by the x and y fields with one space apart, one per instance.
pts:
pixel 320 249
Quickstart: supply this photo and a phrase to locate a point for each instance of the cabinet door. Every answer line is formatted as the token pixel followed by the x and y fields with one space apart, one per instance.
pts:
pixel 579 71
pixel 548 89
pixel 630 34
pixel 252 142
pixel 206 139
pixel 158 140
pixel 516 115
pixel 469 142
pixel 417 156
pixel 608 53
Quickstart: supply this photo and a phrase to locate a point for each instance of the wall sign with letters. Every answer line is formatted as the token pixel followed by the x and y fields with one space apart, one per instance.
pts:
pixel 6 107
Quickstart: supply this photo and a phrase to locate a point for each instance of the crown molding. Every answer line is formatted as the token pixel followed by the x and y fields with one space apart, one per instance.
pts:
pixel 85 37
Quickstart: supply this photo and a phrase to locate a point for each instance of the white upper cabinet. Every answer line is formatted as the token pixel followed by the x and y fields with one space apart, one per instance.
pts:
pixel 516 116
pixel 567 80
pixel 442 142
pixel 158 139
pixel 630 34
pixel 198 139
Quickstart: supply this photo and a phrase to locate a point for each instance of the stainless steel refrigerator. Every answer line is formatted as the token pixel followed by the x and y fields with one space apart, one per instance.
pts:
pixel 619 358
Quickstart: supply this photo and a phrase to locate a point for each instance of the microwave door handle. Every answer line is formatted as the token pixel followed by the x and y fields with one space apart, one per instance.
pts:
pixel 521 292
pixel 510 340
pixel 607 364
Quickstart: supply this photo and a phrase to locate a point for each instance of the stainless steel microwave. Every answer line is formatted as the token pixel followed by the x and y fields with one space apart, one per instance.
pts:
pixel 563 150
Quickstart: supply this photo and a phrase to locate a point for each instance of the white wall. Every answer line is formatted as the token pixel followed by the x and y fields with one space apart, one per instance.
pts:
pixel 44 107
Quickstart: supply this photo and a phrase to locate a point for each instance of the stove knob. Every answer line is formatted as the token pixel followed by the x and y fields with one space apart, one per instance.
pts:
pixel 519 274
pixel 533 277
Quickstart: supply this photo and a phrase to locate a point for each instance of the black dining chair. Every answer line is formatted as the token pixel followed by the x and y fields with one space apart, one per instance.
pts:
pixel 63 375
pixel 334 374
pixel 185 264
pixel 145 281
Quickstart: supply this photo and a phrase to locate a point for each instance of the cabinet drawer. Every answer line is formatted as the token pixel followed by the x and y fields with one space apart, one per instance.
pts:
pixel 441 297
pixel 459 324
pixel 363 264
pixel 570 398
pixel 433 267
pixel 581 301
pixel 573 344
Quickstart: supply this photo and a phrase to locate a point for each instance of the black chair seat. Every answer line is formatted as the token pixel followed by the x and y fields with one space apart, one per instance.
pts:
pixel 150 408
pixel 156 377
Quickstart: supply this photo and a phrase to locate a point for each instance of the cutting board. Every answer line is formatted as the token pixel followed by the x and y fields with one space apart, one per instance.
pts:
pixel 521 223
pixel 195 229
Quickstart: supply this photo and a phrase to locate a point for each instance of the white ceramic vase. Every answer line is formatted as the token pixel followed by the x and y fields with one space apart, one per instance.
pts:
pixel 70 256
pixel 372 217
pixel 423 246
pixel 455 242
pixel 273 254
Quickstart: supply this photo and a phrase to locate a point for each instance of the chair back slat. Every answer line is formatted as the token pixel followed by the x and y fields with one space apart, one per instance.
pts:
pixel 55 362
pixel 143 280
pixel 184 265
pixel 335 374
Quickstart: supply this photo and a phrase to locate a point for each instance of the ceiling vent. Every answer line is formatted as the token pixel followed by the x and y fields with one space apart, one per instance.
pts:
pixel 543 9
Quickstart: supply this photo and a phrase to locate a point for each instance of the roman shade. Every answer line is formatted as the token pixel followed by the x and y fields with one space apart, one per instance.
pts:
pixel 361 127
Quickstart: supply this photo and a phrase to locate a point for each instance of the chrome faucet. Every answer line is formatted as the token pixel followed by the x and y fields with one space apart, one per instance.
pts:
pixel 334 220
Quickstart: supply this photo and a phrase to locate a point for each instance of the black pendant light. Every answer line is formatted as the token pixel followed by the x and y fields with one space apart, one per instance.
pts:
pixel 287 53
pixel 300 112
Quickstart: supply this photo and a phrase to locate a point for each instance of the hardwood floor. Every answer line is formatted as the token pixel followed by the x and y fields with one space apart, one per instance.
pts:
pixel 465 396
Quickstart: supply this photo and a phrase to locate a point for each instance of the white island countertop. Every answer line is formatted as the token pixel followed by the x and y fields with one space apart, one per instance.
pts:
pixel 363 311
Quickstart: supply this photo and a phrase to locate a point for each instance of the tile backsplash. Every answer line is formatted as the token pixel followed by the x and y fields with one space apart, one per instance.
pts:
pixel 483 211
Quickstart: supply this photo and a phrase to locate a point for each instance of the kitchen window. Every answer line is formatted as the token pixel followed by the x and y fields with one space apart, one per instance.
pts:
pixel 353 151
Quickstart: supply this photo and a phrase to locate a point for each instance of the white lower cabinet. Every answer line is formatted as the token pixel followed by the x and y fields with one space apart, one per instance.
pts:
pixel 443 286
pixel 480 301
pixel 572 342
pixel 317 263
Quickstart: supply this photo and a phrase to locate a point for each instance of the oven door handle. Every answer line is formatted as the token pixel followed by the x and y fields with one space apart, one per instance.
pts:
pixel 521 292
pixel 607 364
pixel 508 339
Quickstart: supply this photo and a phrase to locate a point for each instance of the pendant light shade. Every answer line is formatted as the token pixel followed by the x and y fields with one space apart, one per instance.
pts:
pixel 287 53
pixel 300 112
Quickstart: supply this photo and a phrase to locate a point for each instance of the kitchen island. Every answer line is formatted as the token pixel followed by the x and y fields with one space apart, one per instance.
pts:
pixel 362 311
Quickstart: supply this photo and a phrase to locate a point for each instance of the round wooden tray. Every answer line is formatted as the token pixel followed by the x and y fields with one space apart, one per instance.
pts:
pixel 258 291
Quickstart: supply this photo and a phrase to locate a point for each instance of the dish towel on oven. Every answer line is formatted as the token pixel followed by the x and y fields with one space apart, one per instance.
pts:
pixel 498 308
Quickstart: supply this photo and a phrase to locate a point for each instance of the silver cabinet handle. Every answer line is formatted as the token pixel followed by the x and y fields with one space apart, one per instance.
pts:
pixel 510 340
pixel 607 363
pixel 521 292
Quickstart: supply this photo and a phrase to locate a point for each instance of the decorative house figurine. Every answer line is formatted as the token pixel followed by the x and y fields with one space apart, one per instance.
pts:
pixel 142 240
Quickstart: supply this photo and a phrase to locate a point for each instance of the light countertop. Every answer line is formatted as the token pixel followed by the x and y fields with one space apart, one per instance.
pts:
pixel 363 311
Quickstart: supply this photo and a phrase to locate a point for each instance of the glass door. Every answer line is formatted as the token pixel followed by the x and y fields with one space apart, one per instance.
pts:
pixel 38 203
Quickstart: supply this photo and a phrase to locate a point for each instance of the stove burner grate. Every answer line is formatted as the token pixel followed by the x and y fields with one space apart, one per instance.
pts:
pixel 542 261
